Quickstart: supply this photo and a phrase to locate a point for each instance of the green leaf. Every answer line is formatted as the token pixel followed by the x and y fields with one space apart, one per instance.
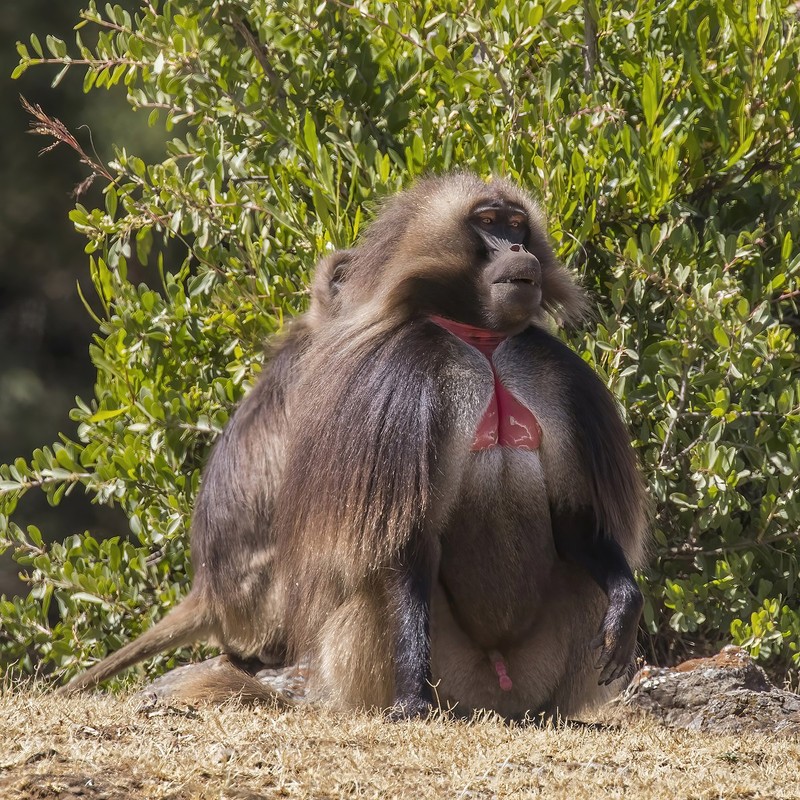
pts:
pixel 721 337
pixel 649 100
pixel 86 597
pixel 786 247
pixel 310 134
pixel 109 413
pixel 111 201
pixel 57 47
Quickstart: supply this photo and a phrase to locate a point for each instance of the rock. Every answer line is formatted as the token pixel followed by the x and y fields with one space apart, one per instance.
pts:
pixel 727 693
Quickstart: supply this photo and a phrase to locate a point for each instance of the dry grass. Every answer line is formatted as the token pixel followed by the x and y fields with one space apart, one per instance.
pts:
pixel 112 748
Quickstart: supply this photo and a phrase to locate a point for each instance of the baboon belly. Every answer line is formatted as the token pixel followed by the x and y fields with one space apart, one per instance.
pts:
pixel 498 551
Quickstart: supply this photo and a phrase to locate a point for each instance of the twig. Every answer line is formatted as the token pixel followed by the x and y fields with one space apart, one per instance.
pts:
pixel 379 21
pixel 496 72
pixel 589 44
pixel 258 49
pixel 55 128
pixel 687 554
pixel 37 483
pixel 703 430
pixel 674 421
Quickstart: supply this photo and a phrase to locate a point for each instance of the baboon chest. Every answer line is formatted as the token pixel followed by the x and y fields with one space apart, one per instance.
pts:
pixel 498 552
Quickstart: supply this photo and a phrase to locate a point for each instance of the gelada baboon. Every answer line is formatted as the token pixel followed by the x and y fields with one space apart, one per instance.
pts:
pixel 460 506
pixel 234 602
pixel 457 506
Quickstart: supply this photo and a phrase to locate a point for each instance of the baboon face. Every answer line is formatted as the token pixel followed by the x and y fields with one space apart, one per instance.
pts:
pixel 486 252
pixel 508 279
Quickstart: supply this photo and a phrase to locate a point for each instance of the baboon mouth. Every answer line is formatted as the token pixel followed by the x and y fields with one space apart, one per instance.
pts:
pixel 529 281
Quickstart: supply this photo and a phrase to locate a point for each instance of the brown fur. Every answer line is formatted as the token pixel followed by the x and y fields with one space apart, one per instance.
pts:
pixel 234 602
pixel 343 515
pixel 380 476
pixel 218 680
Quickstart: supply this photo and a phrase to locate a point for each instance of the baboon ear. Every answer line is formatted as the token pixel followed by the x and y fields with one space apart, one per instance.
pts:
pixel 339 270
pixel 331 270
pixel 329 276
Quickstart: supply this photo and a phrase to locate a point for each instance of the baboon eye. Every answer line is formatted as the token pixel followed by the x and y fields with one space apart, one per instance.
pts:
pixel 487 220
pixel 515 223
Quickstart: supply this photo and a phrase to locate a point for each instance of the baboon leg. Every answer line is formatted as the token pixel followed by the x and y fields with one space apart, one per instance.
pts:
pixel 552 668
pixel 218 680
pixel 354 664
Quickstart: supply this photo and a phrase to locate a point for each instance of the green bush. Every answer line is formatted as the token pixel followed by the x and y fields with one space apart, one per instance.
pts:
pixel 666 153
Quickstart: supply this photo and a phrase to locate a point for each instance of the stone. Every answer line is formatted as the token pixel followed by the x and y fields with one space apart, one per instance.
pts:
pixel 726 693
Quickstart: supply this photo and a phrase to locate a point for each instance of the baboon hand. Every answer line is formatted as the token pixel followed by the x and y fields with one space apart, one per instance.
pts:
pixel 409 708
pixel 616 638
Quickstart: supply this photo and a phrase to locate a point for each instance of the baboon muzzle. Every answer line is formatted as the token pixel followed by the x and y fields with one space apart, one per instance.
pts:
pixel 512 263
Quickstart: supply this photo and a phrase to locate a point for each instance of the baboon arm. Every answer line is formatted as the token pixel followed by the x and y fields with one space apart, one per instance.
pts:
pixel 410 593
pixel 604 532
pixel 602 446
pixel 183 625
pixel 580 540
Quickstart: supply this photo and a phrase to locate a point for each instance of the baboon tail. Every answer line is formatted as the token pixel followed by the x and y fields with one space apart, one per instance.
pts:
pixel 185 624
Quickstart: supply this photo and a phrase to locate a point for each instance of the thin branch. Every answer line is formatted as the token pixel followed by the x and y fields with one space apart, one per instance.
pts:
pixel 674 421
pixel 58 131
pixel 94 63
pixel 745 414
pixel 703 431
pixel 589 44
pixel 258 49
pixel 787 296
pixel 688 553
pixel 381 23
pixel 46 480
pixel 504 87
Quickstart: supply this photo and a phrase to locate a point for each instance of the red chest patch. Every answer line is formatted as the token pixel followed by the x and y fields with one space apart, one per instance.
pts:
pixel 506 422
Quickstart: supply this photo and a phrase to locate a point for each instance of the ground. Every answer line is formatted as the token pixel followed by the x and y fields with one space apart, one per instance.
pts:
pixel 100 747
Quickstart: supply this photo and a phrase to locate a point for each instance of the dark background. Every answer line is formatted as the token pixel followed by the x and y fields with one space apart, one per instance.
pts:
pixel 44 329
